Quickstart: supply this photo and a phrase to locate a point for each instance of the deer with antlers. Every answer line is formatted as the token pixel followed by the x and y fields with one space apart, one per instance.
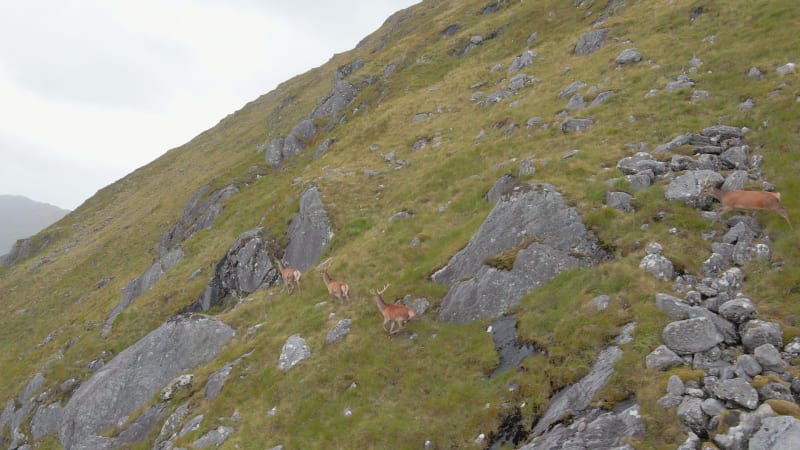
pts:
pixel 393 313
pixel 290 275
pixel 746 200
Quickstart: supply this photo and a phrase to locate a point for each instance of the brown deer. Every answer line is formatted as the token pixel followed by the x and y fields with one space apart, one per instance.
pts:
pixel 393 313
pixel 746 200
pixel 336 288
pixel 290 275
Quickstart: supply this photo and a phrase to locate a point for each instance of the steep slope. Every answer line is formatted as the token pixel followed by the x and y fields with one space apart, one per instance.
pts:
pixel 402 137
pixel 23 217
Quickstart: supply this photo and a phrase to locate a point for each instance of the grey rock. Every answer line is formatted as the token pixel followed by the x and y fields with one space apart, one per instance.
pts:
pixel 769 357
pixel 526 168
pixel 690 411
pixel 628 56
pixel 576 102
pixel 687 187
pixel 503 186
pixel 323 147
pixel 682 82
pixel 736 158
pixel 173 422
pixel 786 68
pixel 639 181
pixel 533 121
pixel 294 351
pixel 692 442
pixel 673 144
pixel 341 94
pixel 572 88
pixel 776 433
pixel 737 390
pixel 755 74
pixel 670 401
pixel 601 302
pixel 524 60
pixel 675 385
pixel 673 306
pixel 192 425
pixel 662 358
pixel 46 421
pixel 245 268
pixel 738 310
pixel 498 96
pixel 757 332
pixel 573 125
pixel 640 162
pixel 748 366
pixel 591 41
pixel 213 438
pixel 712 407
pixel 519 81
pixel 620 200
pixel 658 266
pixel 577 397
pixel 601 98
pixel 738 434
pixel 136 374
pixel 777 391
pixel 679 163
pixel 561 242
pixel 793 347
pixel 216 381
pixel 691 335
pixel 715 264
pixel 309 233
pixel 339 331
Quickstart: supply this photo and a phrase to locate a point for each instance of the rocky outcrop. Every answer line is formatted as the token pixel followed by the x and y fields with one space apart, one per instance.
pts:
pixel 244 269
pixel 533 235
pixel 569 422
pixel 197 215
pixel 133 377
pixel 309 233
pixel 718 328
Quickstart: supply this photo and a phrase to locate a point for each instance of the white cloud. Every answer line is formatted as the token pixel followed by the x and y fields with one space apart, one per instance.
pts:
pixel 93 89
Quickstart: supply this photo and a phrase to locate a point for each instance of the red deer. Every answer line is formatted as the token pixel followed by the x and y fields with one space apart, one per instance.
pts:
pixel 747 200
pixel 291 277
pixel 393 313
pixel 336 288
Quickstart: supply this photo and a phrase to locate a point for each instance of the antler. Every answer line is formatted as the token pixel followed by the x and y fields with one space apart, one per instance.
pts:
pixel 385 286
pixel 323 264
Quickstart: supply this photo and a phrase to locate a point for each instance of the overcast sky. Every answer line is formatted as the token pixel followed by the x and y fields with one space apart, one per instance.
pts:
pixel 90 90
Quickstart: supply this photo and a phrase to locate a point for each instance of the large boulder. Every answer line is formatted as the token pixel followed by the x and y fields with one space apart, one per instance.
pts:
pixel 545 237
pixel 245 268
pixel 777 433
pixel 591 42
pixel 691 335
pixel 132 378
pixel 309 233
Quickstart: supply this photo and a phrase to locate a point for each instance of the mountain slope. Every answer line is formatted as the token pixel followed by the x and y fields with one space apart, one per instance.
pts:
pixel 433 124
pixel 23 217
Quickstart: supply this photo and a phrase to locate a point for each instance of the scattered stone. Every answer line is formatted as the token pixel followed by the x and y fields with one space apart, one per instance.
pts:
pixel 628 56
pixel 662 358
pixel 294 350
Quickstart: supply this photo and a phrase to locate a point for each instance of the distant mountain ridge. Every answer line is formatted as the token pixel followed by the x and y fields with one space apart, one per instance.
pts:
pixel 23 217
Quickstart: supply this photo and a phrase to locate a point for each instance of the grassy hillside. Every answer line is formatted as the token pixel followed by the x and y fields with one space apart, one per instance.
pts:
pixel 433 386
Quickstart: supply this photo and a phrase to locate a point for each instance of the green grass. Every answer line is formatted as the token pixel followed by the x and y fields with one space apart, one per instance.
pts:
pixel 434 386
